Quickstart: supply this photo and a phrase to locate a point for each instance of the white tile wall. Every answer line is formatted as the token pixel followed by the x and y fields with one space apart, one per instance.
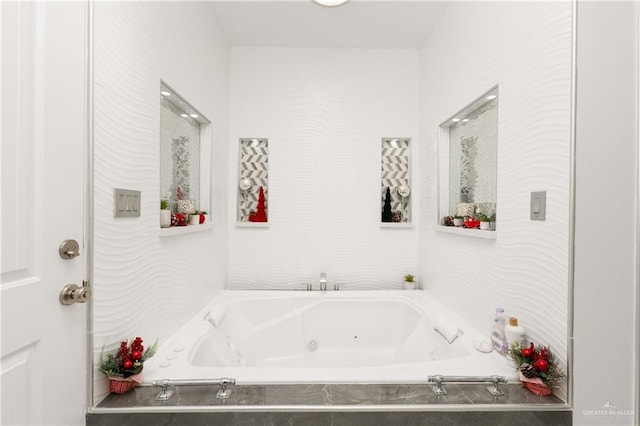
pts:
pixel 525 48
pixel 324 112
pixel 145 285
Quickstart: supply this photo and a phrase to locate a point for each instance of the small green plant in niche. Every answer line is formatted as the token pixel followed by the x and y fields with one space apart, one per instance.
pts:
pixel 409 282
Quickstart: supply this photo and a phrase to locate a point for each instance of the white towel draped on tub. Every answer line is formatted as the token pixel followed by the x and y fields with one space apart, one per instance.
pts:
pixel 447 328
pixel 216 315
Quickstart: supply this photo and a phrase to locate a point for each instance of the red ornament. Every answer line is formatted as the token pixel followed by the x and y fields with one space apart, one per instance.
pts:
pixel 136 355
pixel 127 364
pixel 471 223
pixel 202 216
pixel 541 365
pixel 544 354
pixel 526 352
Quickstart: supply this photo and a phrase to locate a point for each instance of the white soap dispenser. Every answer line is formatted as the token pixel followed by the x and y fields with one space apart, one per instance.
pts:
pixel 513 332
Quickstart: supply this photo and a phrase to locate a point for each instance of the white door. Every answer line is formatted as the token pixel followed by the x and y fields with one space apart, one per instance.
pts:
pixel 43 355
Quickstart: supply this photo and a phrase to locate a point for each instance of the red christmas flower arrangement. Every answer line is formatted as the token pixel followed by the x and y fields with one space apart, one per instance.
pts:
pixel 539 370
pixel 124 366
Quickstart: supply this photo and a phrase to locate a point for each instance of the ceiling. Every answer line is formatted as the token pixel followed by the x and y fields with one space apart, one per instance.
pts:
pixel 376 24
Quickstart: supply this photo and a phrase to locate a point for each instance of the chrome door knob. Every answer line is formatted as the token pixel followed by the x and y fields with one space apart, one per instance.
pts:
pixel 72 293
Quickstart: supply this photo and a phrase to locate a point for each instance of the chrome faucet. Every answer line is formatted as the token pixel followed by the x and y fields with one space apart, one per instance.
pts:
pixel 323 281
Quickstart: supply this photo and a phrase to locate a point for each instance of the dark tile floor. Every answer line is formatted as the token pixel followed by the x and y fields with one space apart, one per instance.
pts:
pixel 333 405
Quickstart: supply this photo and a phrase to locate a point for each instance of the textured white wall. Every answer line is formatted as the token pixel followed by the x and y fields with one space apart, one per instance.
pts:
pixel 324 112
pixel 525 48
pixel 145 285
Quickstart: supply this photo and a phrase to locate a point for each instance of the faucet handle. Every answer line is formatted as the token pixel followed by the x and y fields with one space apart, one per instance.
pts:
pixel 308 286
pixel 336 286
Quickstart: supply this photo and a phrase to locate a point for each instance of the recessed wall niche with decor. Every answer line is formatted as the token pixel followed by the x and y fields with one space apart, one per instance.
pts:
pixel 395 182
pixel 468 148
pixel 185 165
pixel 253 181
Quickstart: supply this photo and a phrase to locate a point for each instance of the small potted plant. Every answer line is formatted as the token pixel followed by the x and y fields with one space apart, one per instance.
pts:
pixel 124 367
pixel 202 216
pixel 165 214
pixel 458 220
pixel 484 222
pixel 409 282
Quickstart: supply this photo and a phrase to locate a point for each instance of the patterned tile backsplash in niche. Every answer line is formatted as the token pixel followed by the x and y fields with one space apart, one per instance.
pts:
pixel 395 180
pixel 253 178
pixel 473 150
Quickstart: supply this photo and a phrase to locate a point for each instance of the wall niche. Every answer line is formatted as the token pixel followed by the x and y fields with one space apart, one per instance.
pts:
pixel 185 162
pixel 395 181
pixel 468 149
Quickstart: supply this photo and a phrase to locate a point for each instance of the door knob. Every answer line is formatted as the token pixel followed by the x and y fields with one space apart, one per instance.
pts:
pixel 72 293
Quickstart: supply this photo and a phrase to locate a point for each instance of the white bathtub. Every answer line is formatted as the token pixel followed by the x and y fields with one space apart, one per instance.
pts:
pixel 260 337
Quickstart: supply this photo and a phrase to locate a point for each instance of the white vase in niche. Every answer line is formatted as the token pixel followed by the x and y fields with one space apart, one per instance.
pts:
pixel 187 206
pixel 484 225
pixel 409 285
pixel 194 219
pixel 165 218
pixel 457 221
pixel 465 209
pixel 409 282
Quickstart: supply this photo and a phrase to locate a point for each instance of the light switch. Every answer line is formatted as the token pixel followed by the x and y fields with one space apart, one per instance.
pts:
pixel 126 203
pixel 538 205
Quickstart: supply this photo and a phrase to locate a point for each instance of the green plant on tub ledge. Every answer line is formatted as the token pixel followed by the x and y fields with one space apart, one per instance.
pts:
pixel 409 282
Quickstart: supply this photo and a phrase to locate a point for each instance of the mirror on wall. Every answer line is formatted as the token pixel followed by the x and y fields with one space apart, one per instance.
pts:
pixel 470 137
pixel 183 158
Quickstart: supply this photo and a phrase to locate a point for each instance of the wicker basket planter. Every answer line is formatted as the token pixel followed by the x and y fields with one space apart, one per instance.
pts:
pixel 122 385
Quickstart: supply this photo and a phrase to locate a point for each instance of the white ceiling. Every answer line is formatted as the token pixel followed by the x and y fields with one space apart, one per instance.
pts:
pixel 377 24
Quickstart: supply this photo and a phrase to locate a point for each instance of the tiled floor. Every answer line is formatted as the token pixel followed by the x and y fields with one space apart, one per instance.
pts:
pixel 333 405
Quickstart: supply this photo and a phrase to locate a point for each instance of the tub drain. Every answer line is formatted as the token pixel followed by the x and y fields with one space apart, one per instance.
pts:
pixel 312 345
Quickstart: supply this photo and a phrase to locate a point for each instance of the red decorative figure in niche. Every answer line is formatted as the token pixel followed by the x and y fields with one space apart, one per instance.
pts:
pixel 178 219
pixel 261 214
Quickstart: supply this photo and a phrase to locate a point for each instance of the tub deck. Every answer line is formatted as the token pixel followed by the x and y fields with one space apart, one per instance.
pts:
pixel 334 404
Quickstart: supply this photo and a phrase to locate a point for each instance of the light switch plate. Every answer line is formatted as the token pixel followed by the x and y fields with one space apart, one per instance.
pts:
pixel 538 205
pixel 126 203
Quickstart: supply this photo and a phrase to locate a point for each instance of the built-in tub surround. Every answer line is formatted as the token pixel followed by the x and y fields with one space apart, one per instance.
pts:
pixel 323 337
